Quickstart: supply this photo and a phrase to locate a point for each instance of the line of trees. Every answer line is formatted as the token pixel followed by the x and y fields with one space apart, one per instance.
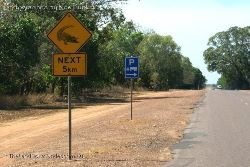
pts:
pixel 25 51
pixel 229 55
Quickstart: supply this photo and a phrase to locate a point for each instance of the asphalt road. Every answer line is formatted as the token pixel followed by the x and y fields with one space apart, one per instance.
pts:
pixel 219 133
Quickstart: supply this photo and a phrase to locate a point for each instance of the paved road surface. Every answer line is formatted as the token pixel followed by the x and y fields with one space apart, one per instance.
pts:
pixel 219 134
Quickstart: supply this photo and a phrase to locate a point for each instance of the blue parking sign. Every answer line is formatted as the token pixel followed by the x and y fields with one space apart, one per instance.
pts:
pixel 131 67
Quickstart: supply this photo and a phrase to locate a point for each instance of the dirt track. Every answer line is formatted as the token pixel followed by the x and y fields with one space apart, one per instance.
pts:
pixel 103 135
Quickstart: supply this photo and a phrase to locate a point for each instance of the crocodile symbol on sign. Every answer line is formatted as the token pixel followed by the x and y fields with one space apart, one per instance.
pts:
pixel 67 38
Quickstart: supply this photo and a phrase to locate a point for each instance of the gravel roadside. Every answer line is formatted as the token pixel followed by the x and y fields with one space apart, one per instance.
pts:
pixel 103 135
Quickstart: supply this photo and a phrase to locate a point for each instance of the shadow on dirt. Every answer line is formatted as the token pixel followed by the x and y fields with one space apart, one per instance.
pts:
pixel 152 98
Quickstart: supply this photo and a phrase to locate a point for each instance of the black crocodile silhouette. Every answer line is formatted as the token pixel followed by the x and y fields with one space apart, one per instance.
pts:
pixel 67 38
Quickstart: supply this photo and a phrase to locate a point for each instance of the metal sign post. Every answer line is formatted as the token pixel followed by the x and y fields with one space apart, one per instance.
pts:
pixel 131 88
pixel 131 72
pixel 70 123
pixel 69 35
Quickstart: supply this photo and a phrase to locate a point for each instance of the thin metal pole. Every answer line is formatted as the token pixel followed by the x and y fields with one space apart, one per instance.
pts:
pixel 69 107
pixel 131 89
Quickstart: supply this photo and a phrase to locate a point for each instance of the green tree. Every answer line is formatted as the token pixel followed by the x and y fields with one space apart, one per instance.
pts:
pixel 222 81
pixel 188 73
pixel 192 77
pixel 228 54
pixel 199 79
pixel 123 42
pixel 96 15
pixel 160 62
pixel 18 54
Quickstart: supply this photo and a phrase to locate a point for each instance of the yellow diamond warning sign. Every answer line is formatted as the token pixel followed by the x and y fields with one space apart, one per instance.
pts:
pixel 69 35
pixel 69 64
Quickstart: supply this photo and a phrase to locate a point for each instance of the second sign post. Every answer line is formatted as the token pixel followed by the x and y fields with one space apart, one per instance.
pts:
pixel 69 35
pixel 131 72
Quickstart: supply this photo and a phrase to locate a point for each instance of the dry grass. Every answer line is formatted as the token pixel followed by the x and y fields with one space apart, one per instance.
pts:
pixel 17 102
pixel 112 91
pixel 99 95
pixel 16 107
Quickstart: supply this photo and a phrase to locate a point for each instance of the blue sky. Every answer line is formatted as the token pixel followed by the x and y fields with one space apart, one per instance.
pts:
pixel 189 22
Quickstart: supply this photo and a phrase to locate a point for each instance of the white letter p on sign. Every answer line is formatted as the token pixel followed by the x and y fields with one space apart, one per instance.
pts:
pixel 131 61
